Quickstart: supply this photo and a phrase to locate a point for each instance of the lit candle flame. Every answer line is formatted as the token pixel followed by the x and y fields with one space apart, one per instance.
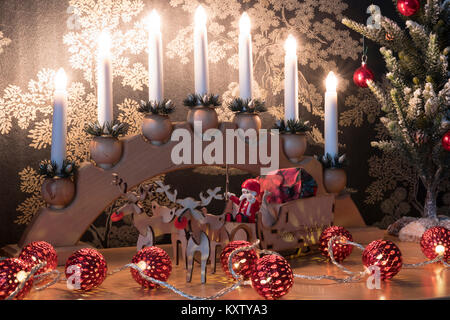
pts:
pixel 155 21
pixel 200 17
pixel 440 249
pixel 291 45
pixel 104 42
pixel 244 24
pixel 60 80
pixel 331 82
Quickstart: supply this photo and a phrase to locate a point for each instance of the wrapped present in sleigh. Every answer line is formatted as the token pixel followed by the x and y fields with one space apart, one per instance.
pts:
pixel 292 214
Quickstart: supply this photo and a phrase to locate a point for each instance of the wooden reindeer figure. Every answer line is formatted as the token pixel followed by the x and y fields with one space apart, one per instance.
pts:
pixel 217 233
pixel 141 220
pixel 193 221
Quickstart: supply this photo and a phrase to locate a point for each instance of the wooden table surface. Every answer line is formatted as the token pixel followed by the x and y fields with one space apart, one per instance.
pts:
pixel 432 281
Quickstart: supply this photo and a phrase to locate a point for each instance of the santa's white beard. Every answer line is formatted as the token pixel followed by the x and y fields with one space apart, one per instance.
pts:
pixel 249 197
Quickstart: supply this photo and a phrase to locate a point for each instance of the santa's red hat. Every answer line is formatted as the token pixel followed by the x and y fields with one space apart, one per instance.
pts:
pixel 251 185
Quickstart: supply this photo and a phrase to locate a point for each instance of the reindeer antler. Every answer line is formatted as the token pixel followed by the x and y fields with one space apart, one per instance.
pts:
pixel 165 189
pixel 212 194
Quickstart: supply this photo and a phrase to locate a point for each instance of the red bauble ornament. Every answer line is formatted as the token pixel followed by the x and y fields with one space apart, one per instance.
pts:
pixel 155 263
pixel 38 252
pixel 385 255
pixel 272 277
pixel 180 223
pixel 361 75
pixel 340 251
pixel 243 262
pixel 91 267
pixel 434 241
pixel 13 272
pixel 446 141
pixel 408 7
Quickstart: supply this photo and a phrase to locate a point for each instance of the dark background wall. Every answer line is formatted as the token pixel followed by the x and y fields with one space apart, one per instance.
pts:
pixel 38 37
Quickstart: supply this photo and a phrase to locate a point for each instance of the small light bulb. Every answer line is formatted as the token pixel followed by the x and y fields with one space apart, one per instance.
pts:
pixel 142 265
pixel 200 17
pixel 440 249
pixel 244 24
pixel 380 256
pixel 21 276
pixel 60 80
pixel 331 82
pixel 154 21
pixel 290 45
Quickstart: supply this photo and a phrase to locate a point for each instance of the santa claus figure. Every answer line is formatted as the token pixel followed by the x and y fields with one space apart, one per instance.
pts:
pixel 248 202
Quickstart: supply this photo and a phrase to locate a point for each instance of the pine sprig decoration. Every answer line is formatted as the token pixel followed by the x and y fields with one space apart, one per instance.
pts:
pixel 240 105
pixel 330 162
pixel 208 100
pixel 292 126
pixel 49 169
pixel 164 107
pixel 109 129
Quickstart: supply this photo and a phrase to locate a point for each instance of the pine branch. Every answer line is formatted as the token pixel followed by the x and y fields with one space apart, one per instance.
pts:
pixel 380 95
pixel 396 75
pixel 433 61
pixel 418 35
pixel 431 12
pixel 399 37
pixel 377 35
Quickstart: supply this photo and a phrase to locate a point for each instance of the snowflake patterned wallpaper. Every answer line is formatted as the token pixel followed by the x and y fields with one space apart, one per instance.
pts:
pixel 38 37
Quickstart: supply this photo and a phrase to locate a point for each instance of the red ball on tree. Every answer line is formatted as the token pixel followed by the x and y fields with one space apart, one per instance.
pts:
pixel 446 141
pixel 408 7
pixel 362 75
pixel 155 263
pixel 436 241
pixel 86 268
pixel 13 272
pixel 272 277
pixel 385 255
pixel 38 252
pixel 243 262
pixel 340 250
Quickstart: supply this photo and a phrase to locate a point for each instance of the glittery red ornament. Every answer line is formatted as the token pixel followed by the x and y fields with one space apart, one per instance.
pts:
pixel 446 141
pixel 155 263
pixel 13 272
pixel 385 255
pixel 434 241
pixel 340 251
pixel 38 252
pixel 272 277
pixel 89 265
pixel 408 7
pixel 361 75
pixel 243 261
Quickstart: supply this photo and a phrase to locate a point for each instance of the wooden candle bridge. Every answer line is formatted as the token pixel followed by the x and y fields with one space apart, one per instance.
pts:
pixel 142 161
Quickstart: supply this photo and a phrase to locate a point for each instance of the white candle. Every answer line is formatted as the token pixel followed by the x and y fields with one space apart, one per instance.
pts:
pixel 59 128
pixel 331 116
pixel 155 62
pixel 291 80
pixel 201 53
pixel 245 58
pixel 105 80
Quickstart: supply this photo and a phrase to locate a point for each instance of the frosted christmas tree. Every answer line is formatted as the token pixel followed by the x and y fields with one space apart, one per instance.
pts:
pixel 416 98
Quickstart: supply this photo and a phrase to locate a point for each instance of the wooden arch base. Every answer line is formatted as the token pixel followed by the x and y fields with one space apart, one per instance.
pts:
pixel 140 161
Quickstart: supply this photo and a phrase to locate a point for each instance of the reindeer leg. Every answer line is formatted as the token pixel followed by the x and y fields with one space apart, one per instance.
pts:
pixel 189 261
pixel 205 253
